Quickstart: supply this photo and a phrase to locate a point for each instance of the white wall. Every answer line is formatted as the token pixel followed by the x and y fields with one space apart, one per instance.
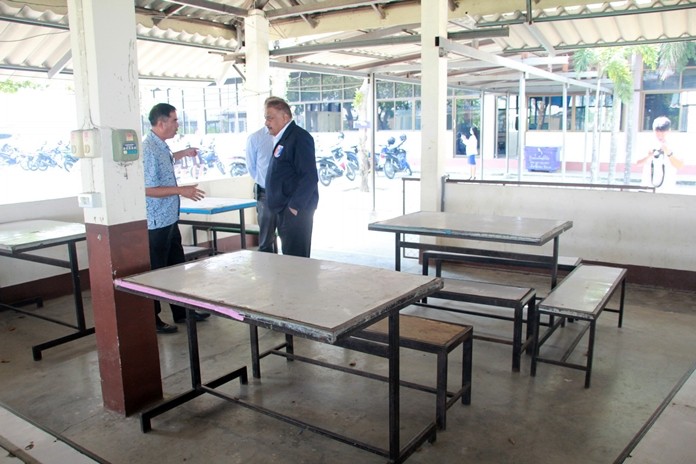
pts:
pixel 14 271
pixel 624 228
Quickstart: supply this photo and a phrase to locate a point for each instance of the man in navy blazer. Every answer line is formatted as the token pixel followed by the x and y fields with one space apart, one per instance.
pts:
pixel 292 191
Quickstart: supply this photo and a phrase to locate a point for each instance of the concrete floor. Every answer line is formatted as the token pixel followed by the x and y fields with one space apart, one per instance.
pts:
pixel 513 418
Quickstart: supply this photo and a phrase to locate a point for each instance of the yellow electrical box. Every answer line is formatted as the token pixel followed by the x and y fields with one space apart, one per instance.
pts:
pixel 125 145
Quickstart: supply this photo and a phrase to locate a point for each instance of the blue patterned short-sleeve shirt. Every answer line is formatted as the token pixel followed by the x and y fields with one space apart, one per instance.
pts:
pixel 158 167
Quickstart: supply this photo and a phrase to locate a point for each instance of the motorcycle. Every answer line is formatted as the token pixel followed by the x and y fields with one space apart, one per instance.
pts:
pixel 210 159
pixel 328 169
pixel 393 158
pixel 238 167
pixel 353 165
pixel 9 156
pixel 69 160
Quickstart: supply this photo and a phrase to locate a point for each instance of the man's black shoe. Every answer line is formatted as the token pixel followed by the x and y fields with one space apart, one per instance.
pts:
pixel 196 316
pixel 164 328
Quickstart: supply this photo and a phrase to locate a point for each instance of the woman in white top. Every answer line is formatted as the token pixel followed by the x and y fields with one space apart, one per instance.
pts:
pixel 471 143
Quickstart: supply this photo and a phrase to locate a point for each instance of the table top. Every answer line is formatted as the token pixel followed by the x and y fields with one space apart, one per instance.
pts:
pixel 508 229
pixel 214 205
pixel 317 299
pixel 39 233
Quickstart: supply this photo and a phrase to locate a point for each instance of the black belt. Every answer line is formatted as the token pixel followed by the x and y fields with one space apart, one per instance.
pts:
pixel 259 189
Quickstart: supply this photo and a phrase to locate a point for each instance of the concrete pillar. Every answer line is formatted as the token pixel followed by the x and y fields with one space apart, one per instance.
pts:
pixel 522 125
pixel 257 84
pixel 435 145
pixel 106 88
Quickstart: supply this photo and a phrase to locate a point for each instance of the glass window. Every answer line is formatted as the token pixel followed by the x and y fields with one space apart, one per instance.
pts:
pixel 652 81
pixel 403 115
pixel 331 87
pixel 660 104
pixel 385 90
pixel 351 87
pixel 310 87
pixel 689 78
pixel 418 114
pixel 404 90
pixel 385 115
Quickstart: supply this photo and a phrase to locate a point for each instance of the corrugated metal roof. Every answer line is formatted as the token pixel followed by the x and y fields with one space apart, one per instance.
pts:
pixel 187 39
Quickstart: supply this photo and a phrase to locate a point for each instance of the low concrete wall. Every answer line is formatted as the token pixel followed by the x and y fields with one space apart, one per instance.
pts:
pixel 634 229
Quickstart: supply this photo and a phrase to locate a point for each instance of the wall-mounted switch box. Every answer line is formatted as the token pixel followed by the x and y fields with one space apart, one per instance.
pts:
pixel 85 143
pixel 125 145
pixel 89 200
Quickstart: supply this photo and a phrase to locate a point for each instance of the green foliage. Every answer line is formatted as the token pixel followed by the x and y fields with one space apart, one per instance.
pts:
pixel 674 56
pixel 359 97
pixel 10 86
pixel 615 63
pixel 584 59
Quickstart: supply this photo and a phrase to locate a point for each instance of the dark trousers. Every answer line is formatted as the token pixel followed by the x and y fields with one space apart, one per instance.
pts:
pixel 267 222
pixel 296 232
pixel 166 250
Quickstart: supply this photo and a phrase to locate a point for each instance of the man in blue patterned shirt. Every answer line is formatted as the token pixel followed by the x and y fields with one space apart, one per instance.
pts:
pixel 162 201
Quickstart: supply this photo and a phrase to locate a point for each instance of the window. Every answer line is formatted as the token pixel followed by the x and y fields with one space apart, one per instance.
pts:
pixel 668 96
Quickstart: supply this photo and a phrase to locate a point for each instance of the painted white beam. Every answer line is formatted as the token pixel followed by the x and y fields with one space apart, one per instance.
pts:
pixel 60 65
pixel 464 50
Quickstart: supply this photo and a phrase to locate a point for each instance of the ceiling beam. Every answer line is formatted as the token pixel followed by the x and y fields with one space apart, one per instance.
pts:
pixel 320 7
pixel 540 37
pixel 447 46
pixel 409 39
pixel 60 65
pixel 215 7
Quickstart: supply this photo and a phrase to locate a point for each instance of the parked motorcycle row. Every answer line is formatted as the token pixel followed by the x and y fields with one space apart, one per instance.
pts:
pixel 339 163
pixel 392 158
pixel 208 159
pixel 45 157
pixel 343 161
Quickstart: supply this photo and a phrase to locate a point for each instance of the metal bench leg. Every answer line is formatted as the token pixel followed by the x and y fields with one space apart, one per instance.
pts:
pixel 621 302
pixel 289 346
pixel 531 314
pixel 517 338
pixel 535 343
pixel 254 341
pixel 467 362
pixel 441 395
pixel 590 353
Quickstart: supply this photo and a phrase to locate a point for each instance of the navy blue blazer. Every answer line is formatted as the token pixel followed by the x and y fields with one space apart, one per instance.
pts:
pixel 292 180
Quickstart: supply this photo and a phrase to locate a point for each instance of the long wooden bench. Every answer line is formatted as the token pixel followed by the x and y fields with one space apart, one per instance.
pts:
pixel 488 294
pixel 565 263
pixel 582 295
pixel 249 229
pixel 439 338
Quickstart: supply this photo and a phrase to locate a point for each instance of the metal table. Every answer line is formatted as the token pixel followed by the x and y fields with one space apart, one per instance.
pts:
pixel 216 205
pixel 487 228
pixel 319 300
pixel 17 239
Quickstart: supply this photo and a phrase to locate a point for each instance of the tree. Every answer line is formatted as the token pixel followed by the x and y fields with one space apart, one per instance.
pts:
pixel 616 64
pixel 360 104
pixel 10 86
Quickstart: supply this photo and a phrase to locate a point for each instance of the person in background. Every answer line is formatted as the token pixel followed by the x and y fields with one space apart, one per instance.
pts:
pixel 259 147
pixel 162 201
pixel 292 191
pixel 471 143
pixel 660 165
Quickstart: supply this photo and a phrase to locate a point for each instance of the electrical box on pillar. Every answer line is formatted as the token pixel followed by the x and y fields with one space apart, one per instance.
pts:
pixel 85 143
pixel 125 144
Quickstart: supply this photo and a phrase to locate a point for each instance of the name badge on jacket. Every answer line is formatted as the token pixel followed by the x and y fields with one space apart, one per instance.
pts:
pixel 278 150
